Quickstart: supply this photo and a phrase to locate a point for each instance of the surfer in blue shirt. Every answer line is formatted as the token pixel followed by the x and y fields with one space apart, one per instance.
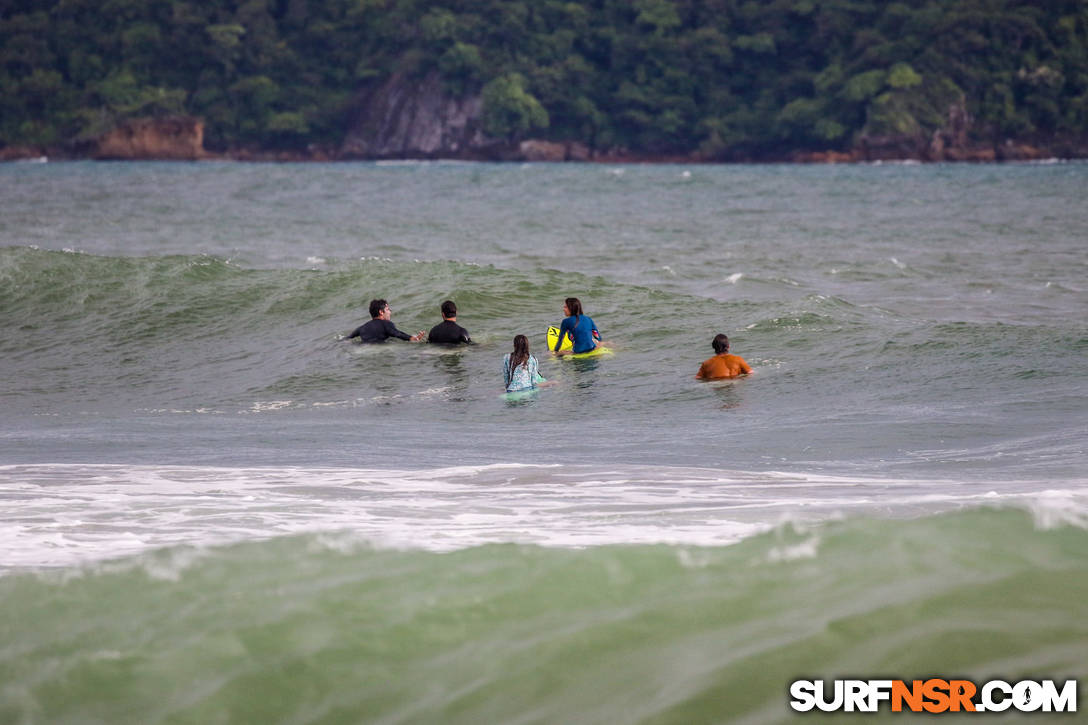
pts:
pixel 581 328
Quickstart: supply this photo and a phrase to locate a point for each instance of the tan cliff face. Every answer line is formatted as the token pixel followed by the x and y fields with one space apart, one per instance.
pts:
pixel 176 138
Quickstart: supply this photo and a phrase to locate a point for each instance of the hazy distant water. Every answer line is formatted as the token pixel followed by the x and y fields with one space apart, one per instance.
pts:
pixel 171 375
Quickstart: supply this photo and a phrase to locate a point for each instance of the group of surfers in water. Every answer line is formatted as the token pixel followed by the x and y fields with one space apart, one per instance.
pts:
pixel 521 369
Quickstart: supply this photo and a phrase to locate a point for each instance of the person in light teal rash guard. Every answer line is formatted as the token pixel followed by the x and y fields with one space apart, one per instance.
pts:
pixel 520 370
pixel 581 328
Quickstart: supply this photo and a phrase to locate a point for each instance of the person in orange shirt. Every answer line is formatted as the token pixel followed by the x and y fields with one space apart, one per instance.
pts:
pixel 722 365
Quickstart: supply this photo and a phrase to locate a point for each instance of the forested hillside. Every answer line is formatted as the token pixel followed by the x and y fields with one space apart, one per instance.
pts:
pixel 717 79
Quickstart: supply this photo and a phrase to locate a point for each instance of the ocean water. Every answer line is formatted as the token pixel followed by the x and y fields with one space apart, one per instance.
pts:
pixel 215 509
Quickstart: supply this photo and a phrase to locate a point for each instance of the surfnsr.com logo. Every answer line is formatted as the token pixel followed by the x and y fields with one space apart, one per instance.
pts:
pixel 933 696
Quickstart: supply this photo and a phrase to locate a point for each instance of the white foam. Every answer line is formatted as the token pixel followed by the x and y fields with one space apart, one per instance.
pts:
pixel 1054 509
pixel 62 515
pixel 806 549
pixel 262 406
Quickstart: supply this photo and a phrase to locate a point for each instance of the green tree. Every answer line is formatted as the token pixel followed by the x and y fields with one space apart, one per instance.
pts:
pixel 509 111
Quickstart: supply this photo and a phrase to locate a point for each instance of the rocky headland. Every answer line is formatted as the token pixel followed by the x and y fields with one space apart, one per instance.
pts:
pixel 402 119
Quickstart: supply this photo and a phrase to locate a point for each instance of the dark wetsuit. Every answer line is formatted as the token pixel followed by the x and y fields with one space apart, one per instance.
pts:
pixel 450 332
pixel 378 330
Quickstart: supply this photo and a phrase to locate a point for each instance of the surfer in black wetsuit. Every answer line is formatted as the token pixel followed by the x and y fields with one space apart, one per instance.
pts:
pixel 448 331
pixel 381 328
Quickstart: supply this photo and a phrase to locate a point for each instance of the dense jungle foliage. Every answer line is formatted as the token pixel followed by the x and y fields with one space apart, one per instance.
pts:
pixel 655 76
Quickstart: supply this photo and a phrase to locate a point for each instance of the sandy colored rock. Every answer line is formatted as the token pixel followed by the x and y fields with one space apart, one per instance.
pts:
pixel 828 157
pixel 537 150
pixel 20 153
pixel 1012 151
pixel 578 152
pixel 978 154
pixel 175 138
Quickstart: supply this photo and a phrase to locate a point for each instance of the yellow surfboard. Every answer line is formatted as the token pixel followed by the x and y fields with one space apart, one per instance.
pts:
pixel 568 343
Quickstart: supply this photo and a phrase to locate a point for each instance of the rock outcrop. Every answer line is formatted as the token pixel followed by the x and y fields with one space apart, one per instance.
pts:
pixel 951 141
pixel 174 138
pixel 403 118
pixel 538 150
pixel 21 153
pixel 827 157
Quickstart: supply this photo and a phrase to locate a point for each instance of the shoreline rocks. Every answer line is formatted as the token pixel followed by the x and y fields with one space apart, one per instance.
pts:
pixel 181 139
pixel 178 138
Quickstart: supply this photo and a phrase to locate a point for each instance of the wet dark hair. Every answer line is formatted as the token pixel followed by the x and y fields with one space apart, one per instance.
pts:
pixel 574 305
pixel 376 307
pixel 720 344
pixel 449 309
pixel 520 355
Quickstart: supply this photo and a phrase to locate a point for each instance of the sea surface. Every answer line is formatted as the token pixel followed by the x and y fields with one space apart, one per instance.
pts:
pixel 215 509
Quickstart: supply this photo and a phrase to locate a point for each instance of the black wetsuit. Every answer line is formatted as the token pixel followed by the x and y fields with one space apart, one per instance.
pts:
pixel 450 332
pixel 378 330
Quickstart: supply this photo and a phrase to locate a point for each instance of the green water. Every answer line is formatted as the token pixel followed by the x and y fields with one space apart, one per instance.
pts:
pixel 320 629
